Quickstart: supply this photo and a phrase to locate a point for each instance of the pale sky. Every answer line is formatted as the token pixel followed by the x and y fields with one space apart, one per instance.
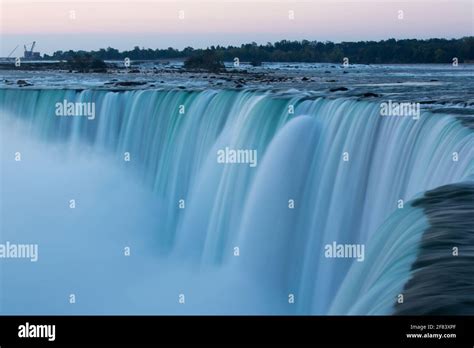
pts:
pixel 93 24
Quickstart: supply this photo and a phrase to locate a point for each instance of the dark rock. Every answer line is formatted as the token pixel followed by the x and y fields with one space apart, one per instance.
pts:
pixel 370 95
pixel 338 89
pixel 23 83
pixel 305 79
pixel 130 83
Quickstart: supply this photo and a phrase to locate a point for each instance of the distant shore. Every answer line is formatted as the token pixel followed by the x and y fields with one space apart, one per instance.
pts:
pixel 432 85
pixel 166 66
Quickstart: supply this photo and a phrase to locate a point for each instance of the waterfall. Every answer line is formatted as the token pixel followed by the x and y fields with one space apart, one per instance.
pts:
pixel 348 174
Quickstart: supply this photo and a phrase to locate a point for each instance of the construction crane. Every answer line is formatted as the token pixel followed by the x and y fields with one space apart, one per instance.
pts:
pixel 27 51
pixel 29 54
pixel 12 51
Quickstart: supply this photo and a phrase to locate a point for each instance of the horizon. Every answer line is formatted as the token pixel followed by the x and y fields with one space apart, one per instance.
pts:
pixel 259 44
pixel 87 25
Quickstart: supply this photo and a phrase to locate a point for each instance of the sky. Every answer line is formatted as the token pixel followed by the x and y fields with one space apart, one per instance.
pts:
pixel 93 24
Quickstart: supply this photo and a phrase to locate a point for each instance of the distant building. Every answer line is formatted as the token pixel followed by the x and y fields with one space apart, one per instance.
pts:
pixel 31 55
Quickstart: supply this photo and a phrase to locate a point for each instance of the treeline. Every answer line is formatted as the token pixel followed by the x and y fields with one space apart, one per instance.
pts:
pixel 362 52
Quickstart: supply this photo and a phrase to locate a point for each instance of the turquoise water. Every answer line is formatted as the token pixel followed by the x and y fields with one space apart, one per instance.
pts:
pixel 191 249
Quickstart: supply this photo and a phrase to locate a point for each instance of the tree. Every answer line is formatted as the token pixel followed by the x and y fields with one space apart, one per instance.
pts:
pixel 206 61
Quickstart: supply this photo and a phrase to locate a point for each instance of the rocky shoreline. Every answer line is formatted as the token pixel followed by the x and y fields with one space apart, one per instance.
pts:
pixel 428 85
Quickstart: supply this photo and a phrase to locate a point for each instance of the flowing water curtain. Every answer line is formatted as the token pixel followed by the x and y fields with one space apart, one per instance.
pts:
pixel 344 167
